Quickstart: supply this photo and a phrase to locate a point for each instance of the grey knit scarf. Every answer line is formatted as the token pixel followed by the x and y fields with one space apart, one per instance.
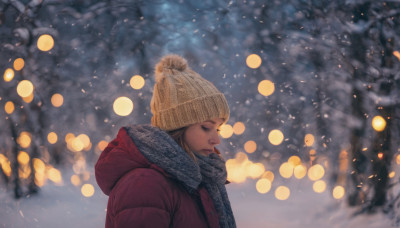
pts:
pixel 161 149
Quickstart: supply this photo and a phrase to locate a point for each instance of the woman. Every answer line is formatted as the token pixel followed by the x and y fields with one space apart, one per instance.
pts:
pixel 169 174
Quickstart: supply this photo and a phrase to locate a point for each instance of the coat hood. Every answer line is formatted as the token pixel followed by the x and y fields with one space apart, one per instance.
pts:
pixel 118 158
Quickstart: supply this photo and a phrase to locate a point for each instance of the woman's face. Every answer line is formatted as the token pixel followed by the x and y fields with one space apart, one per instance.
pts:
pixel 202 138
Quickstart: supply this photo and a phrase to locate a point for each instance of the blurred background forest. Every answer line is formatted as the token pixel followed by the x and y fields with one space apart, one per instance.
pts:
pixel 313 86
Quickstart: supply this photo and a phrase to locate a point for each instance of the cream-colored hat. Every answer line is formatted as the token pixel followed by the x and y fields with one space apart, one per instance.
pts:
pixel 182 97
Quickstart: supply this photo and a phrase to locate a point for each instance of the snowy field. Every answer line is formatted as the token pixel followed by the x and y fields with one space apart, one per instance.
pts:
pixel 65 206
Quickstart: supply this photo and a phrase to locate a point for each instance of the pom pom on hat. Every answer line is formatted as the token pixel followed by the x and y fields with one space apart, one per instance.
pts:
pixel 184 97
pixel 170 62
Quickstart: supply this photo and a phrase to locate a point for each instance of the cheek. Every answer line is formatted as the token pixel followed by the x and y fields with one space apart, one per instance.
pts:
pixel 194 139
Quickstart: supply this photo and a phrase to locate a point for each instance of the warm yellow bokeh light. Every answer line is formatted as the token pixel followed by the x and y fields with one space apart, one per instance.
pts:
pixel 253 61
pixel 275 137
pixel 268 175
pixel 316 172
pixel 266 87
pixel 294 160
pixel 392 174
pixel 77 145
pixel 255 170
pixel 338 192
pixel 397 54
pixel 28 99
pixel 25 88
pixel 52 137
pixel 9 107
pixel 54 175
pixel 282 193
pixel 75 180
pixel 23 158
pixel 286 170
pixel 38 165
pixel 5 165
pixel 236 168
pixel 226 131
pixel 123 106
pixel 84 139
pixel 57 100
pixel 263 186
pixel 87 190
pixel 102 145
pixel 309 139
pixel 250 146
pixel 398 159
pixel 137 82
pixel 378 123
pixel 8 74
pixel 300 171
pixel 19 63
pixel 69 137
pixel 238 128
pixel 45 42
pixel 319 186
pixel 24 139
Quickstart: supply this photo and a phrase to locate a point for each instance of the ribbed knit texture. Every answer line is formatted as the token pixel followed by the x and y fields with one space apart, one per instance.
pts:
pixel 159 148
pixel 182 97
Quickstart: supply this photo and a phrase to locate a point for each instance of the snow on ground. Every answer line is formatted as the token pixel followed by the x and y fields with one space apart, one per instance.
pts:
pixel 65 206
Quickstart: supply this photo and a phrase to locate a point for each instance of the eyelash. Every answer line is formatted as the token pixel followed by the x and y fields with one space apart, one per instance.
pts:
pixel 208 129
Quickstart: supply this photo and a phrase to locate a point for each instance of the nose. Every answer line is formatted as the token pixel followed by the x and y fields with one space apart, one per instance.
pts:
pixel 214 139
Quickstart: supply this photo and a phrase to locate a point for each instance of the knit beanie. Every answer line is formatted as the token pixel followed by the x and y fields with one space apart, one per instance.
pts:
pixel 182 97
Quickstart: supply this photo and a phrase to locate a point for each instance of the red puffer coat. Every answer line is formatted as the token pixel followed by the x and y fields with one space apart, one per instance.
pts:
pixel 142 194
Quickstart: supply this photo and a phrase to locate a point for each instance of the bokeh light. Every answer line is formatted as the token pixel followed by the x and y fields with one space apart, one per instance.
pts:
pixel 398 159
pixel 254 170
pixel 226 131
pixel 75 180
pixel 300 171
pixel 238 128
pixel 123 106
pixel 9 107
pixel 28 99
pixel 57 100
pixel 23 158
pixel 54 175
pixel 102 145
pixel 268 175
pixel 338 192
pixel 286 170
pixel 294 160
pixel 282 193
pixel 275 137
pixel 5 165
pixel 397 54
pixel 316 172
pixel 250 146
pixel 24 139
pixel 87 190
pixel 8 74
pixel 253 61
pixel 45 42
pixel 319 186
pixel 25 88
pixel 266 87
pixel 378 123
pixel 309 139
pixel 263 185
pixel 19 63
pixel 137 82
pixel 52 138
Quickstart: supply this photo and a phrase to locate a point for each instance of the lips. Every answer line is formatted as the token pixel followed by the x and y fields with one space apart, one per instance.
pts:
pixel 208 151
